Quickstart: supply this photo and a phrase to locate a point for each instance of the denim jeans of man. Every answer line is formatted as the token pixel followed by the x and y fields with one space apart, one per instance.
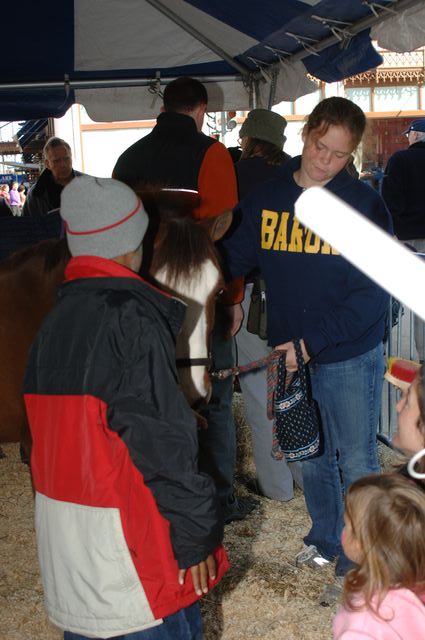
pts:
pixel 217 444
pixel 349 397
pixel 186 624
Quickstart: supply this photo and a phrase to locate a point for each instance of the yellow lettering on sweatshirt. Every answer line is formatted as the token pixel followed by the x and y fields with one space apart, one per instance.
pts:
pixel 296 243
pixel 281 238
pixel 309 246
pixel 328 250
pixel 269 220
pixel 275 237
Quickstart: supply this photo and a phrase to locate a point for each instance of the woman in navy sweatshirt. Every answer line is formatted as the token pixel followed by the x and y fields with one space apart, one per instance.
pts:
pixel 315 295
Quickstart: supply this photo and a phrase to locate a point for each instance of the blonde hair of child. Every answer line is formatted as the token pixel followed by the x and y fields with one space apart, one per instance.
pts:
pixel 387 515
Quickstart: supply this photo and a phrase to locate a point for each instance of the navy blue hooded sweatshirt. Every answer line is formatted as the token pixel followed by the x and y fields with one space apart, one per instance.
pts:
pixel 312 292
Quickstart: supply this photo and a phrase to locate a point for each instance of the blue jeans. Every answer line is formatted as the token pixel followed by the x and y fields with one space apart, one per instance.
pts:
pixel 349 397
pixel 217 444
pixel 186 624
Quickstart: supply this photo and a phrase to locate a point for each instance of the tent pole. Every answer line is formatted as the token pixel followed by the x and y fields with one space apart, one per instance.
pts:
pixel 157 4
pixel 104 84
pixel 354 29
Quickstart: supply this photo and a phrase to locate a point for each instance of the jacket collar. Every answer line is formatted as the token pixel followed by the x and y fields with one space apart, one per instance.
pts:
pixel 83 270
pixel 418 145
pixel 341 181
pixel 95 267
pixel 46 181
pixel 180 120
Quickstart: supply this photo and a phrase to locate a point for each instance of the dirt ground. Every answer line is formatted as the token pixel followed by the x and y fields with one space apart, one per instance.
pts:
pixel 263 595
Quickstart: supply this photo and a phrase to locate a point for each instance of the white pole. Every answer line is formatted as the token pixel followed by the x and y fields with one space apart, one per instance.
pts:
pixel 372 250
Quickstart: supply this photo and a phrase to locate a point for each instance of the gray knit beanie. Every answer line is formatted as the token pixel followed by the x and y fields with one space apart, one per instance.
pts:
pixel 103 217
pixel 265 125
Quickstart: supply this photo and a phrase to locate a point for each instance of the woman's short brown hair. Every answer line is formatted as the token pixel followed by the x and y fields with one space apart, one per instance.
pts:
pixel 255 148
pixel 338 112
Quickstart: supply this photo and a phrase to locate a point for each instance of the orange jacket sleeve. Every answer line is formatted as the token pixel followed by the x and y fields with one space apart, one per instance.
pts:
pixel 218 191
pixel 217 184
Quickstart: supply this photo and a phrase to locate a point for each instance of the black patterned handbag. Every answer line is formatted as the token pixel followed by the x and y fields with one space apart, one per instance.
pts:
pixel 296 415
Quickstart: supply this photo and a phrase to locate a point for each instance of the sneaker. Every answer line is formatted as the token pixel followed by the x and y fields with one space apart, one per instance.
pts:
pixel 238 509
pixel 310 557
pixel 331 594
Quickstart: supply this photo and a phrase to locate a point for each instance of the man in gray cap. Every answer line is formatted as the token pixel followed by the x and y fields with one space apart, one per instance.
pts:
pixel 403 189
pixel 121 510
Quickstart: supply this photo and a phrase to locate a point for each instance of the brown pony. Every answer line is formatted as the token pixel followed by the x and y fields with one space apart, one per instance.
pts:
pixel 28 281
pixel 181 258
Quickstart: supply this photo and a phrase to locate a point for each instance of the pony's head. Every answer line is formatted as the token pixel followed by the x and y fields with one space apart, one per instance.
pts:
pixel 184 262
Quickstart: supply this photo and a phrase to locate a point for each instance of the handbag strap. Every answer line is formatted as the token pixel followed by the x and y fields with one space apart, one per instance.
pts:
pixel 276 366
pixel 300 364
pixel 276 360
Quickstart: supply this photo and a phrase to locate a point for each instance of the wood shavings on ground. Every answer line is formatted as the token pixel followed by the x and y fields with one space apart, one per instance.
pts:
pixel 263 595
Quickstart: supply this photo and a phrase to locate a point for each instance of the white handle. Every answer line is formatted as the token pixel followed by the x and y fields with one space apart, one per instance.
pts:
pixel 372 250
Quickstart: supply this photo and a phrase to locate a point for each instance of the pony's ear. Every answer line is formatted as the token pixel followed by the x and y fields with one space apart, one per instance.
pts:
pixel 217 226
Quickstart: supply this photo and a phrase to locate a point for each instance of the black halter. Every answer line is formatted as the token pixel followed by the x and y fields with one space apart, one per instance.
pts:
pixel 183 363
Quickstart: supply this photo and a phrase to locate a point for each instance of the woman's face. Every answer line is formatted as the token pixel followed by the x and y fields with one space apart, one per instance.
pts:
pixel 408 436
pixel 325 155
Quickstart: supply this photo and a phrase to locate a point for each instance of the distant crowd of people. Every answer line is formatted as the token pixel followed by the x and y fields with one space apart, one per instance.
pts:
pixel 12 199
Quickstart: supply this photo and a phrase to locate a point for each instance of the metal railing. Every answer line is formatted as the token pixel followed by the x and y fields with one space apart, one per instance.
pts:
pixel 405 339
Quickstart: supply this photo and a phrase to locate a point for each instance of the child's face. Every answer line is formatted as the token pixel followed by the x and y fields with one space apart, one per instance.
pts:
pixel 408 436
pixel 349 542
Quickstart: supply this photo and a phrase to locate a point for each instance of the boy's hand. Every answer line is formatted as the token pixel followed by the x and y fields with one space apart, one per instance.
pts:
pixel 200 574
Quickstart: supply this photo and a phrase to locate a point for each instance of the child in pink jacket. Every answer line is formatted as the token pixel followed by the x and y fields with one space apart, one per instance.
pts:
pixel 383 597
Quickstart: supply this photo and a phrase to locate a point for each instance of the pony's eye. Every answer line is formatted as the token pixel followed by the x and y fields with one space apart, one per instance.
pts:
pixel 219 293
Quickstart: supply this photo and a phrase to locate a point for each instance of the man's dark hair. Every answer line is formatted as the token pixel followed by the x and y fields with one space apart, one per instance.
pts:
pixel 184 94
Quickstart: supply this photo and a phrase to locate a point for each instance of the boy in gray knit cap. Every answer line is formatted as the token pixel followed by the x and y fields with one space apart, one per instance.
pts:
pixel 121 510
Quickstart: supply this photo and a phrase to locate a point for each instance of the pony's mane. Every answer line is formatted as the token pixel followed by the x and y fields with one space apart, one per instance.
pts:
pixel 51 252
pixel 184 246
pixel 164 203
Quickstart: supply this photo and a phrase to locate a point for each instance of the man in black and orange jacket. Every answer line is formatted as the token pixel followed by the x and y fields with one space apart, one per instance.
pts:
pixel 176 154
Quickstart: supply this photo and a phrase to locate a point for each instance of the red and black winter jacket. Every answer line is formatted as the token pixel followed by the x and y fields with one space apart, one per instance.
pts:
pixel 120 505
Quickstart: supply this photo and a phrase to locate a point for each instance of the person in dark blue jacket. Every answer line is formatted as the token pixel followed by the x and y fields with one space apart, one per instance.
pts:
pixel 315 295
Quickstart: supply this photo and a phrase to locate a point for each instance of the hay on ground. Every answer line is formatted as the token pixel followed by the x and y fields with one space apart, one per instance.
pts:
pixel 263 595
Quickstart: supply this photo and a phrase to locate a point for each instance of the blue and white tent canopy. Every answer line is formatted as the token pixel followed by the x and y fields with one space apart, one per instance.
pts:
pixel 114 55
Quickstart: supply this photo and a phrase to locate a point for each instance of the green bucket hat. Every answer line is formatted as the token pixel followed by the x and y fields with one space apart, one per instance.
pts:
pixel 264 125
